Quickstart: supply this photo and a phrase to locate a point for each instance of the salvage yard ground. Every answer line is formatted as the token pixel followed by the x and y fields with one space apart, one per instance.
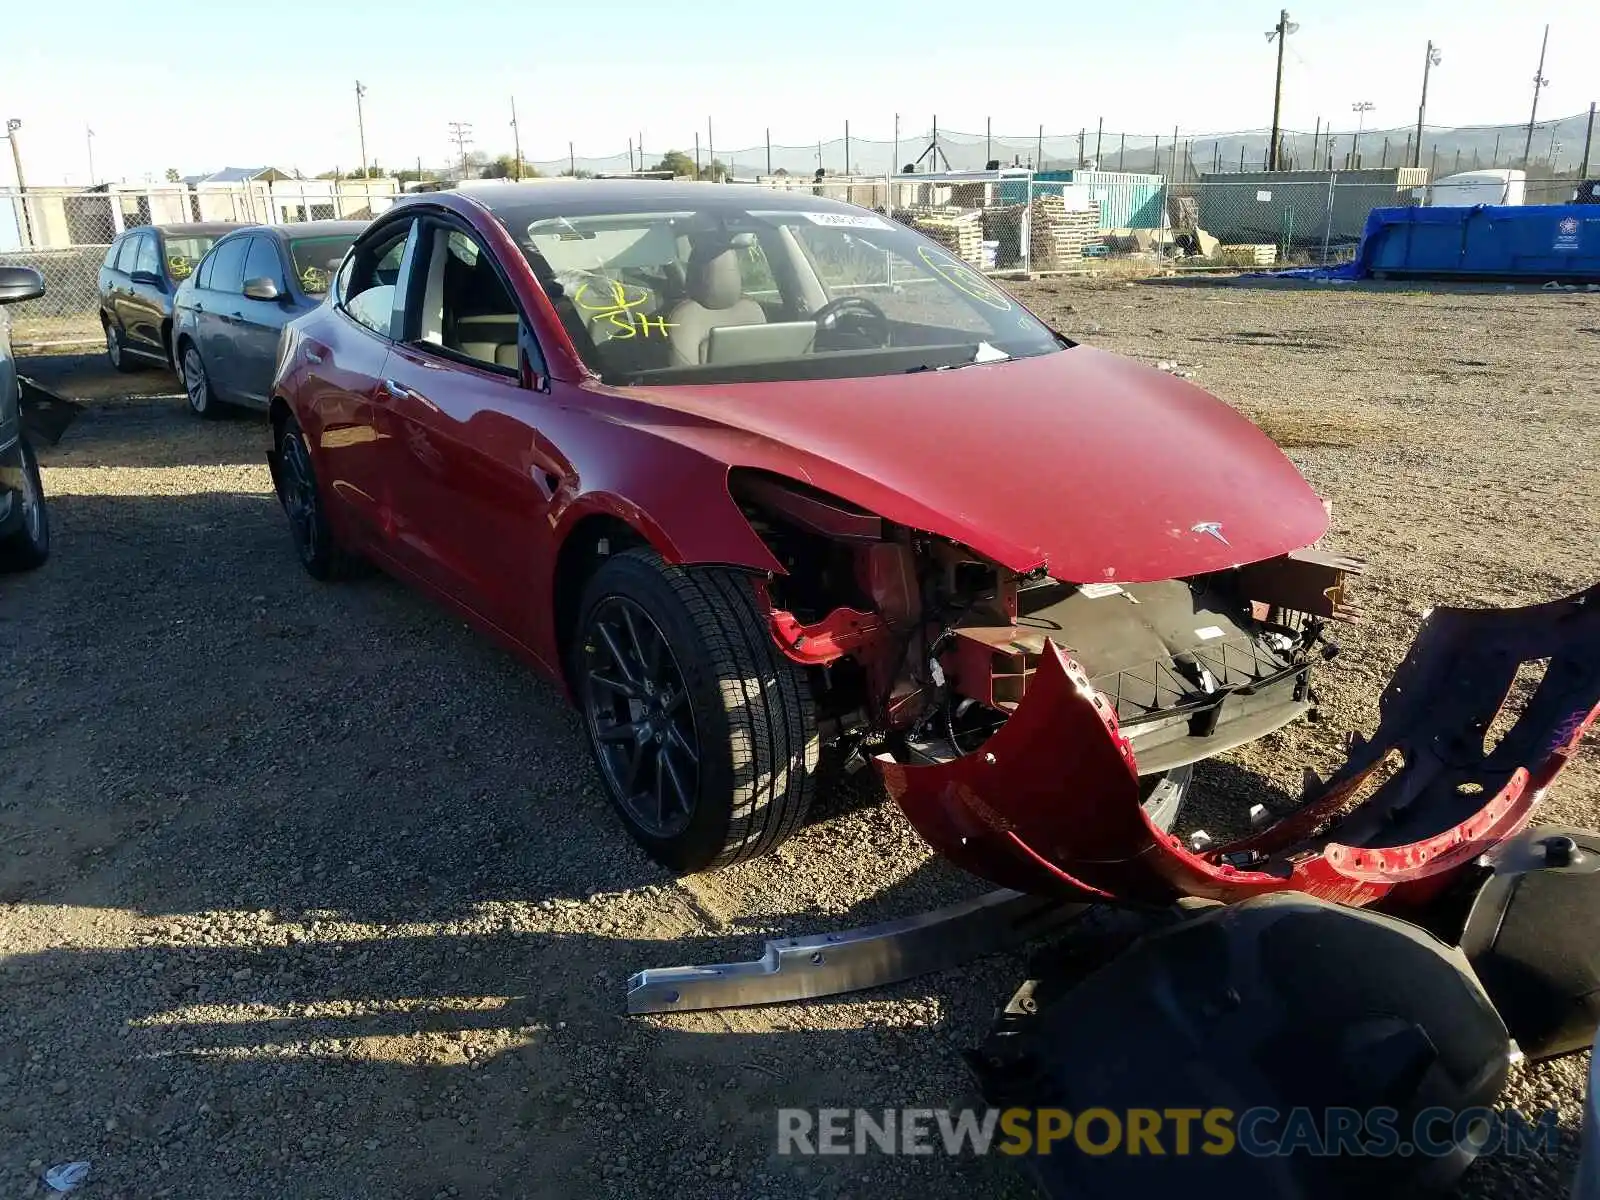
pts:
pixel 309 891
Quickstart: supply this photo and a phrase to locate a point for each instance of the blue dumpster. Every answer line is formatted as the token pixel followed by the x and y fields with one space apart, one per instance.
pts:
pixel 1528 243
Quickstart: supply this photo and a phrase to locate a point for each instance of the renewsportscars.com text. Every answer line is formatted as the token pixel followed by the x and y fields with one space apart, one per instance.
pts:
pixel 1261 1132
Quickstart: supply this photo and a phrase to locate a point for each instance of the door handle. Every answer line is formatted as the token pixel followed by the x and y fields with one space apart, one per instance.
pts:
pixel 399 391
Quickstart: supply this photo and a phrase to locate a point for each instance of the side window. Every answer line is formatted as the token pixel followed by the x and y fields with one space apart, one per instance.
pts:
pixel 149 258
pixel 262 262
pixel 465 307
pixel 227 265
pixel 203 276
pixel 128 251
pixel 369 282
pixel 755 273
pixel 110 263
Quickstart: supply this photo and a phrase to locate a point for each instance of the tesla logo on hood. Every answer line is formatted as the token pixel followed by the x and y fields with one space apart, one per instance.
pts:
pixel 1214 528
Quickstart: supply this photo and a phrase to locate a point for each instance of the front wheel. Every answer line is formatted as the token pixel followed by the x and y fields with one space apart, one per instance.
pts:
pixel 29 545
pixel 303 503
pixel 703 732
pixel 197 384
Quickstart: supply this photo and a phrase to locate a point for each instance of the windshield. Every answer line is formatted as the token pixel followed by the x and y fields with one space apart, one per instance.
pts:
pixel 185 253
pixel 317 258
pixel 749 295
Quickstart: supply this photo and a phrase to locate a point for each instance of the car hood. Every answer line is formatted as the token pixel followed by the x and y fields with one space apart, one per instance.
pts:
pixel 1095 466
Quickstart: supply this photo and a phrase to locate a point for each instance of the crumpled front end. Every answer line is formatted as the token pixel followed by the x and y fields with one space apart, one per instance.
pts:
pixel 1050 803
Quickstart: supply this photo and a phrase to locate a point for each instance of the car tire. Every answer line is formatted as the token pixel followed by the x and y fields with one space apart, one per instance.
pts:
pixel 703 733
pixel 302 498
pixel 29 546
pixel 120 358
pixel 197 384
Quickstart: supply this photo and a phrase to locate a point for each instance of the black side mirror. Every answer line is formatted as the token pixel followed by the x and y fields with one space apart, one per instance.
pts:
pixel 20 283
pixel 148 278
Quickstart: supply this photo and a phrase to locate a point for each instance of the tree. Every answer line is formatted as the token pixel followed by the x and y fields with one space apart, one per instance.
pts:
pixel 677 162
pixel 580 173
pixel 505 167
pixel 716 171
pixel 173 176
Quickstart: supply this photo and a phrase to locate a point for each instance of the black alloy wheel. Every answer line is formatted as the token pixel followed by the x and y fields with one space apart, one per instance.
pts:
pixel 640 717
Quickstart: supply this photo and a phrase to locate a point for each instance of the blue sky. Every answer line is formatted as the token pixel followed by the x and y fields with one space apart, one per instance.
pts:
pixel 202 86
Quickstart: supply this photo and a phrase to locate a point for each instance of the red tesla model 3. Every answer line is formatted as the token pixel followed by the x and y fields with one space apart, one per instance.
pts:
pixel 766 480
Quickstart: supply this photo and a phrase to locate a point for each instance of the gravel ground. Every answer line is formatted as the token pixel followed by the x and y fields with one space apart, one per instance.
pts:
pixel 310 891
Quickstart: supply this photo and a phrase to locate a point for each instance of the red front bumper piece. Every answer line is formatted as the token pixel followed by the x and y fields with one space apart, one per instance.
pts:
pixel 1050 803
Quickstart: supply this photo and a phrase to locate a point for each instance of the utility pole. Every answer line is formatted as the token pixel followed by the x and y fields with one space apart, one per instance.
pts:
pixel 1099 133
pixel 361 127
pixel 1038 162
pixel 1539 81
pixel 1429 61
pixel 1082 134
pixel 1588 141
pixel 847 146
pixel 572 161
pixel 630 156
pixel 12 125
pixel 769 150
pixel 1284 28
pixel 711 151
pixel 516 145
pixel 90 140
pixel 697 154
pixel 988 138
pixel 894 157
pixel 461 134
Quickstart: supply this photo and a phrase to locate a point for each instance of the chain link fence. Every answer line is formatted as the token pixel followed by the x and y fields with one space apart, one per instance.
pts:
pixel 64 234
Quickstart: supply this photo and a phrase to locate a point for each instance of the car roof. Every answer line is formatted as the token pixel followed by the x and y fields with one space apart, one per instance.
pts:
pixel 194 228
pixel 519 203
pixel 300 229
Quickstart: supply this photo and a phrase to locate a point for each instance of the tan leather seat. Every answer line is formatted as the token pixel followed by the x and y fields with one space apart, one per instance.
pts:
pixel 716 299
pixel 490 338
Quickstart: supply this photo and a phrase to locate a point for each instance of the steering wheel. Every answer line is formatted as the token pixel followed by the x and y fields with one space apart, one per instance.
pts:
pixel 827 317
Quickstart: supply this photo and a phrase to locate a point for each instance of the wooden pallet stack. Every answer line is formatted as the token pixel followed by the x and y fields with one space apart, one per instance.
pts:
pixel 1058 235
pixel 957 231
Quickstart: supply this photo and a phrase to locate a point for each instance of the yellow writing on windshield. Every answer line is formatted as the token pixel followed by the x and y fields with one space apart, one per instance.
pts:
pixel 619 310
pixel 964 278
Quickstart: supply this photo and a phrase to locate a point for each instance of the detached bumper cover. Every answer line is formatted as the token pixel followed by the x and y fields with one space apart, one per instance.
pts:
pixel 1050 803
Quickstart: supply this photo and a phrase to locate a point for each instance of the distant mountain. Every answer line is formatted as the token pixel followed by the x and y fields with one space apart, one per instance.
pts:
pixel 1481 146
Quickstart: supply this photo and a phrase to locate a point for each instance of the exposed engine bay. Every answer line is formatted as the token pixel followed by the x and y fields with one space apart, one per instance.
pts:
pixel 927 648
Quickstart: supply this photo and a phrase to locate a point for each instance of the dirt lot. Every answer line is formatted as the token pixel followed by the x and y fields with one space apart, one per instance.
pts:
pixel 309 891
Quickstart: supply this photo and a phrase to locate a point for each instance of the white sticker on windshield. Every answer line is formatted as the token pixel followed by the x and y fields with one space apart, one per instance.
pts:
pixel 846 220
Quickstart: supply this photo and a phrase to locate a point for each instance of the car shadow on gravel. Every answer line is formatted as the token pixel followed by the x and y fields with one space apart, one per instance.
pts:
pixel 443 1065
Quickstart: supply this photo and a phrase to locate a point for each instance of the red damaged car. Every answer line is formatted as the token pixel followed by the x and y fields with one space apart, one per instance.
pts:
pixel 766 479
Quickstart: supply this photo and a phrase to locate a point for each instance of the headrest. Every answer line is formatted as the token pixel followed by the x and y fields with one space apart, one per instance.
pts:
pixel 713 274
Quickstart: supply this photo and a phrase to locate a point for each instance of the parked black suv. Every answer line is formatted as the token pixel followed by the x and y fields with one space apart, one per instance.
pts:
pixel 143 268
pixel 24 524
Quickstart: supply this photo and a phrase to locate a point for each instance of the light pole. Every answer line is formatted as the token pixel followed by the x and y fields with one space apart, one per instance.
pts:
pixel 1361 108
pixel 1284 28
pixel 1430 61
pixel 1539 81
pixel 12 125
pixel 90 140
pixel 361 127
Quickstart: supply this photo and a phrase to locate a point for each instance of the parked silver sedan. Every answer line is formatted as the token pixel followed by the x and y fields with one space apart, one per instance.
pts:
pixel 228 313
